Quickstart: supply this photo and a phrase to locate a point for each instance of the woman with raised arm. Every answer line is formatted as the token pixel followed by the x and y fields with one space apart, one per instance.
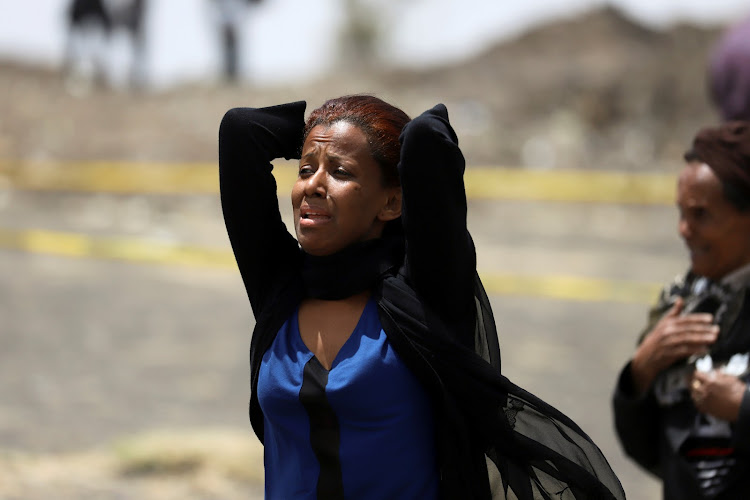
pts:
pixel 375 367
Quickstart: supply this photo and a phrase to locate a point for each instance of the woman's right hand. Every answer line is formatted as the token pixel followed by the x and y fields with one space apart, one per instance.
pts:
pixel 674 337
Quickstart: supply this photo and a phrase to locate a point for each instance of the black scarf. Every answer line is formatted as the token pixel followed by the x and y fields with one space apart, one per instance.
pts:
pixel 352 270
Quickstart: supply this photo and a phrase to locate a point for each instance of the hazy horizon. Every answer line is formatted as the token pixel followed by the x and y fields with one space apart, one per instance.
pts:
pixel 290 39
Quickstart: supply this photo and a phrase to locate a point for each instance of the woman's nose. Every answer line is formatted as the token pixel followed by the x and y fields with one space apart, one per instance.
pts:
pixel 683 227
pixel 316 184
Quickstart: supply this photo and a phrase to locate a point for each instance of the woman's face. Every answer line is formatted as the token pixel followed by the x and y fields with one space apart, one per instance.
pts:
pixel 339 197
pixel 715 232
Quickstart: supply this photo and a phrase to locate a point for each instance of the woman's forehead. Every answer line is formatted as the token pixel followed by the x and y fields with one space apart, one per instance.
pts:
pixel 698 180
pixel 700 187
pixel 698 175
pixel 340 136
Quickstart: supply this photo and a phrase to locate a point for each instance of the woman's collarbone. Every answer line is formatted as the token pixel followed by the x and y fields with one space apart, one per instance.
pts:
pixel 326 325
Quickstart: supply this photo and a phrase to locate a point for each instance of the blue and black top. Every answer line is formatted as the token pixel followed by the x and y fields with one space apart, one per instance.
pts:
pixel 363 429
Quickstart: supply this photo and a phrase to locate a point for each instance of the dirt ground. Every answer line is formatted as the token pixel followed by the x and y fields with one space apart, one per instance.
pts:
pixel 129 381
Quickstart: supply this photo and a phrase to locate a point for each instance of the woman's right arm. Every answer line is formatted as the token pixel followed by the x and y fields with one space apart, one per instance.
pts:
pixel 635 410
pixel 249 139
pixel 636 418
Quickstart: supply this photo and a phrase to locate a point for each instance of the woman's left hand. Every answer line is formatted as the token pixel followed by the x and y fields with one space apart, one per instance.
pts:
pixel 717 394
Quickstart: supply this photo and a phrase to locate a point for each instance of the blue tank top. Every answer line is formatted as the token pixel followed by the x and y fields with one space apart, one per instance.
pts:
pixel 363 430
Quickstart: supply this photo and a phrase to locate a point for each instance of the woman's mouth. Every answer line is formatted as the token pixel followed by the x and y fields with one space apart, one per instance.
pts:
pixel 697 251
pixel 311 216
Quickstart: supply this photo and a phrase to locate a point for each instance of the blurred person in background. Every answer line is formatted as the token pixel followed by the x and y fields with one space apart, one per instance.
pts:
pixel 88 54
pixel 375 365
pixel 128 16
pixel 89 26
pixel 681 404
pixel 230 18
pixel 729 73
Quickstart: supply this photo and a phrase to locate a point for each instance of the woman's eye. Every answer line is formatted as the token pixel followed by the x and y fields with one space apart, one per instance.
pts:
pixel 304 170
pixel 341 172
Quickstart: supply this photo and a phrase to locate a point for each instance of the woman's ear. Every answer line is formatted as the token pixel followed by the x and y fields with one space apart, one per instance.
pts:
pixel 392 208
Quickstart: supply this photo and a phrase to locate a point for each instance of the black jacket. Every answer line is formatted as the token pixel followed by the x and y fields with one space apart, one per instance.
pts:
pixel 652 428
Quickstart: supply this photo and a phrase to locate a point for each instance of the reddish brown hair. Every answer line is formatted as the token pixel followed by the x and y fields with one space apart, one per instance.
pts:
pixel 381 123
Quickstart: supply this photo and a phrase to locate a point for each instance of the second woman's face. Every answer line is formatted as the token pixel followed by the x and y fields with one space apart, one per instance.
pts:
pixel 715 232
pixel 339 197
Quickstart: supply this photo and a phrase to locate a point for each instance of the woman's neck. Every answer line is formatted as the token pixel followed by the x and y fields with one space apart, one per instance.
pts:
pixel 351 271
pixel 326 325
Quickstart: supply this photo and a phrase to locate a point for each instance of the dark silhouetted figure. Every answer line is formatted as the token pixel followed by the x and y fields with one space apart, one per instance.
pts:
pixel 128 15
pixel 230 14
pixel 89 26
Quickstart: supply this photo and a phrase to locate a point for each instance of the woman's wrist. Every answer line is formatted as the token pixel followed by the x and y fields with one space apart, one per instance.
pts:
pixel 281 127
pixel 640 375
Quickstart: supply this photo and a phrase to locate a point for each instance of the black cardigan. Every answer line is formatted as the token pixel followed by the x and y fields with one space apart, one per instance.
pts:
pixel 432 308
pixel 649 432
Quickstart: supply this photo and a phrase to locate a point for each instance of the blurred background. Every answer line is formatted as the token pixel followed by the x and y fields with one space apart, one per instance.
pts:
pixel 124 326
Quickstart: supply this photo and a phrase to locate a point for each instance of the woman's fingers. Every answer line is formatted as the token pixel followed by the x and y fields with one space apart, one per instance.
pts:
pixel 718 394
pixel 694 319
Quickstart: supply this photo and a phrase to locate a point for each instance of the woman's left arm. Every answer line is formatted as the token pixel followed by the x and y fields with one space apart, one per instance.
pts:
pixel 742 425
pixel 440 255
pixel 249 140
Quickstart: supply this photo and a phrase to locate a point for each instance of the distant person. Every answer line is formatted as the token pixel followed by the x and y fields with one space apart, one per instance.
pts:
pixel 89 26
pixel 128 16
pixel 230 17
pixel 681 405
pixel 375 365
pixel 729 73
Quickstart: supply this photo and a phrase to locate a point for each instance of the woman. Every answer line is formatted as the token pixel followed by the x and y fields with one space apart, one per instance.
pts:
pixel 682 409
pixel 374 359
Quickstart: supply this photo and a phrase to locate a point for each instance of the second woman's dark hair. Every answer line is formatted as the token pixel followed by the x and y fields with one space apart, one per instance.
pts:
pixel 726 150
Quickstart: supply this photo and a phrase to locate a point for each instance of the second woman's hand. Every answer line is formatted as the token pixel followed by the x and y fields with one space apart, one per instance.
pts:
pixel 674 337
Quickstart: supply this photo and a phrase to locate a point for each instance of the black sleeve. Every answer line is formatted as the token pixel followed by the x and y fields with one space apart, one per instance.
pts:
pixel 249 139
pixel 440 255
pixel 637 422
pixel 741 437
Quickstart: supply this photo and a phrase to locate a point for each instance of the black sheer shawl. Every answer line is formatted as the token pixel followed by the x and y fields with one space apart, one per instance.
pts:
pixel 495 439
pixel 530 449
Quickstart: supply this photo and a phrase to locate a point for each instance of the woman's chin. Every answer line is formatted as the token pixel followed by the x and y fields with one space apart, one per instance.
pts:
pixel 318 249
pixel 707 270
